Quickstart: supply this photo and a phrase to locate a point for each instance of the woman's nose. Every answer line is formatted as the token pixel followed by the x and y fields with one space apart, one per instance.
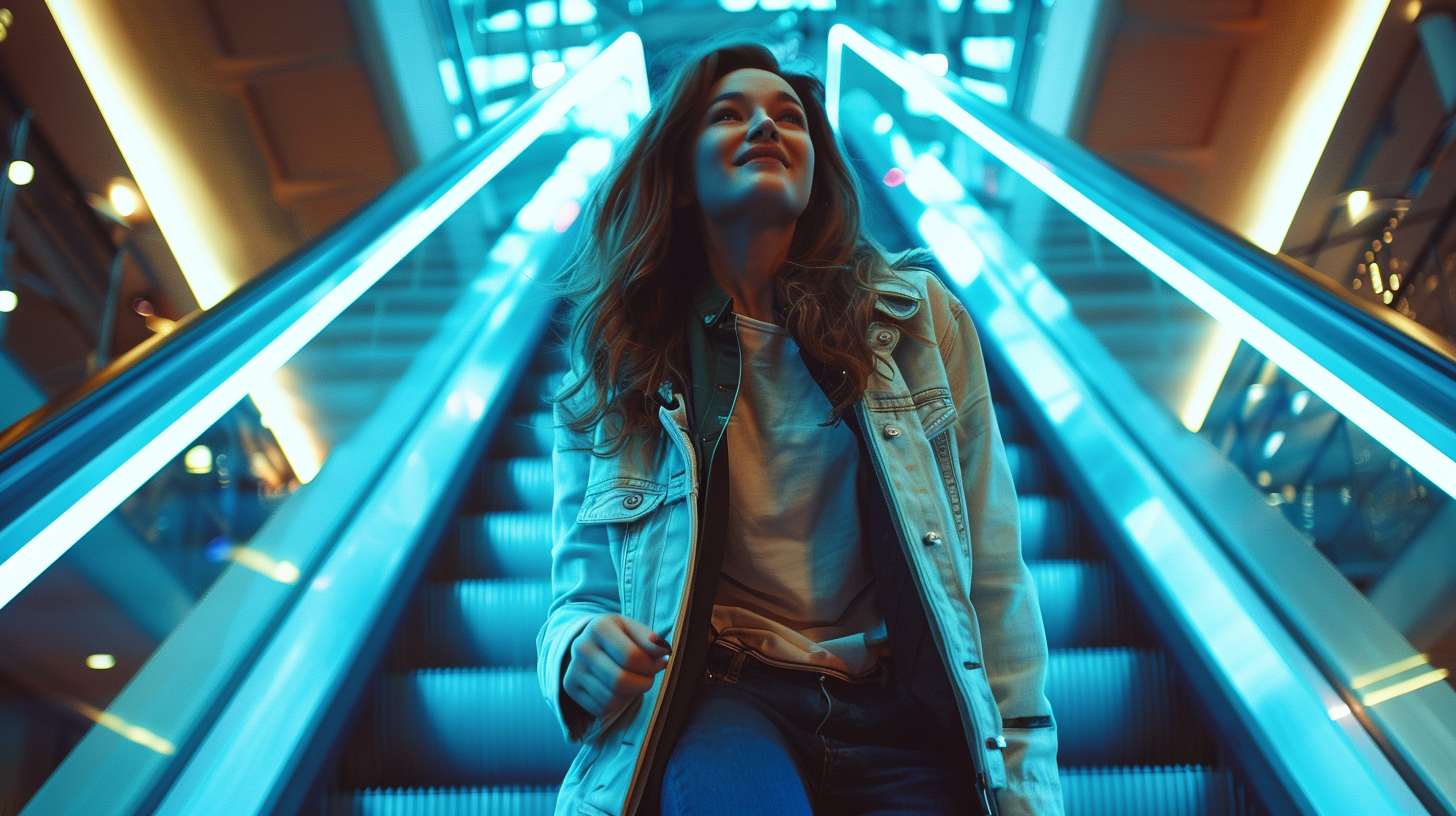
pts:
pixel 764 128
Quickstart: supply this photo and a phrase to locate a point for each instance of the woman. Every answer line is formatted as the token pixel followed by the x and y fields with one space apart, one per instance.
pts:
pixel 841 622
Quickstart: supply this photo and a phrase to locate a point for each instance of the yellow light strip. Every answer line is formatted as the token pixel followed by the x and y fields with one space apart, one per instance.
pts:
pixel 284 572
pixel 1213 364
pixel 135 733
pixel 1405 665
pixel 1299 138
pixel 171 186
pixel 278 411
pixel 1404 687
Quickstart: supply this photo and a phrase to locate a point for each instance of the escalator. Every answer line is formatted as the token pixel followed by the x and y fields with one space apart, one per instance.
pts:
pixel 370 648
pixel 456 723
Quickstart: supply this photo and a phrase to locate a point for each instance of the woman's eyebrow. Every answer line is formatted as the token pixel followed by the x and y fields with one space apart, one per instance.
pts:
pixel 739 96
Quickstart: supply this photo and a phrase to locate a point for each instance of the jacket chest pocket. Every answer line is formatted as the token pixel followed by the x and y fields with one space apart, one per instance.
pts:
pixel 635 512
pixel 938 416
pixel 623 505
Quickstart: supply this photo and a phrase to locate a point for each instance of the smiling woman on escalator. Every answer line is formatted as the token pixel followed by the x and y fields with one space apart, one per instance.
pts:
pixel 840 620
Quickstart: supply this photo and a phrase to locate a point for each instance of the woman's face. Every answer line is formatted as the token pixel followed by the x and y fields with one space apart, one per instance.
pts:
pixel 753 157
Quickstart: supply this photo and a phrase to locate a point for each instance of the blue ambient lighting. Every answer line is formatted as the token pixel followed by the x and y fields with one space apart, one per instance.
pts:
pixel 623 58
pixel 1359 409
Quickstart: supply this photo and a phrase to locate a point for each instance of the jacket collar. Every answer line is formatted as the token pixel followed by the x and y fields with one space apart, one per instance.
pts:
pixel 712 303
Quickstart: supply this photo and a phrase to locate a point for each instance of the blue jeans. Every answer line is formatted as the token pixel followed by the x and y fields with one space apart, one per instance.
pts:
pixel 784 742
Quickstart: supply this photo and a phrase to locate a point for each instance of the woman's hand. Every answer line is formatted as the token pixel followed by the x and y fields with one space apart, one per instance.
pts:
pixel 612 663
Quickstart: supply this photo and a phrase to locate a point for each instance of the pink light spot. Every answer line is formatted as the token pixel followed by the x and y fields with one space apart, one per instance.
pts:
pixel 895 177
pixel 565 216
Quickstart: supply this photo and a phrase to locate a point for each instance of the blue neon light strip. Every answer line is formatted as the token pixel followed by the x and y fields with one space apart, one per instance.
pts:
pixel 1400 439
pixel 623 58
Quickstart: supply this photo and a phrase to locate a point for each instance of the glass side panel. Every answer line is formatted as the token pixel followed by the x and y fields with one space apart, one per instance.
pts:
pixel 1370 513
pixel 75 638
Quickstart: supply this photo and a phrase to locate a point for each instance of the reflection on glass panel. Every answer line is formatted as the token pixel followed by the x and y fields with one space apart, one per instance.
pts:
pixel 1359 504
pixel 73 639
pixel 1343 491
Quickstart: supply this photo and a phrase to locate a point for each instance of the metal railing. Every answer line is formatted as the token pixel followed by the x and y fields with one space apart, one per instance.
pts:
pixel 1396 384
pixel 71 465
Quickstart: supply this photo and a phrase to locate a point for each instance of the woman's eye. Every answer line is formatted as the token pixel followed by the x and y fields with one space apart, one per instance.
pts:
pixel 724 114
pixel 796 118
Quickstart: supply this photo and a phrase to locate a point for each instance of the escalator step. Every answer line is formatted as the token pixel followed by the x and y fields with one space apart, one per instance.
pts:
pixel 1152 791
pixel 525 435
pixel 457 727
pixel 1028 469
pixel 477 623
pixel 504 545
pixel 536 391
pixel 1008 422
pixel 1122 707
pixel 550 356
pixel 1047 530
pixel 1080 605
pixel 444 802
pixel 513 484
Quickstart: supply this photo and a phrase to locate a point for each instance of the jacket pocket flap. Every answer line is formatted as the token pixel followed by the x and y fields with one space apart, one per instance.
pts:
pixel 937 410
pixel 619 500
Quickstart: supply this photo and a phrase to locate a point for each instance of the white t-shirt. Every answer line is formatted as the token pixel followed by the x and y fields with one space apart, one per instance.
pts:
pixel 797 587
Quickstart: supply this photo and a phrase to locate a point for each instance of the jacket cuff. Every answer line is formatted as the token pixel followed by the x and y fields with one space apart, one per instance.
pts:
pixel 573 718
pixel 1030 799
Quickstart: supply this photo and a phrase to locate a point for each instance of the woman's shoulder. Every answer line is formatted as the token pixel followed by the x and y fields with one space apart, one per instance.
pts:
pixel 908 284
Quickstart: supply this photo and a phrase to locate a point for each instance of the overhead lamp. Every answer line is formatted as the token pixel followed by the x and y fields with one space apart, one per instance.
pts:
pixel 1356 202
pixel 100 661
pixel 21 172
pixel 8 300
pixel 123 198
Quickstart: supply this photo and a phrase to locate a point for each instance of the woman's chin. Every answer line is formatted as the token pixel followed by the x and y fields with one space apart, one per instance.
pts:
pixel 763 203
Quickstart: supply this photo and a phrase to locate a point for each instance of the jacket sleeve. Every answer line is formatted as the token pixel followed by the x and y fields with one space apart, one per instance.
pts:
pixel 583 575
pixel 1013 640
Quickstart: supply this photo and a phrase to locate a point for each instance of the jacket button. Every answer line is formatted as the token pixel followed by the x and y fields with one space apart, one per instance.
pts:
pixel 884 337
pixel 996 743
pixel 932 538
pixel 891 431
pixel 632 501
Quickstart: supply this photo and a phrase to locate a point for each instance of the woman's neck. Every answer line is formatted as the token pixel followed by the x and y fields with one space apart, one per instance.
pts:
pixel 743 259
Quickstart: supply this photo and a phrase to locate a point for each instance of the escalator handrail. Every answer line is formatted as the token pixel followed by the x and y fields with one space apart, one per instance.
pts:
pixel 358 535
pixel 1379 357
pixel 1326 618
pixel 85 446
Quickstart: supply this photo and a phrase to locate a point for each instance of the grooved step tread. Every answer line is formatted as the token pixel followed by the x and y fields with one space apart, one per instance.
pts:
pixel 457 727
pixel 1122 706
pixel 490 622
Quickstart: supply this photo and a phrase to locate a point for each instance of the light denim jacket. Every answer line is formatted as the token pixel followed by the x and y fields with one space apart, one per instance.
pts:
pixel 626 537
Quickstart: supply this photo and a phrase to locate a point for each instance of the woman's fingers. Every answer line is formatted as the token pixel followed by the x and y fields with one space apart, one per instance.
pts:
pixel 631 645
pixel 613 661
pixel 587 691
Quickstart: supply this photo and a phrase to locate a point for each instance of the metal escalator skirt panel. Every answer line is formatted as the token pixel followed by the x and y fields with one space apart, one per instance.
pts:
pixel 459 726
pixel 1122 707
pixel 445 802
pixel 1152 791
pixel 481 622
pixel 506 545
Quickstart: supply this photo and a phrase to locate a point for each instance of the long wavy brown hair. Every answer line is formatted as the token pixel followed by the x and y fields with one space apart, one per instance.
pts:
pixel 633 277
